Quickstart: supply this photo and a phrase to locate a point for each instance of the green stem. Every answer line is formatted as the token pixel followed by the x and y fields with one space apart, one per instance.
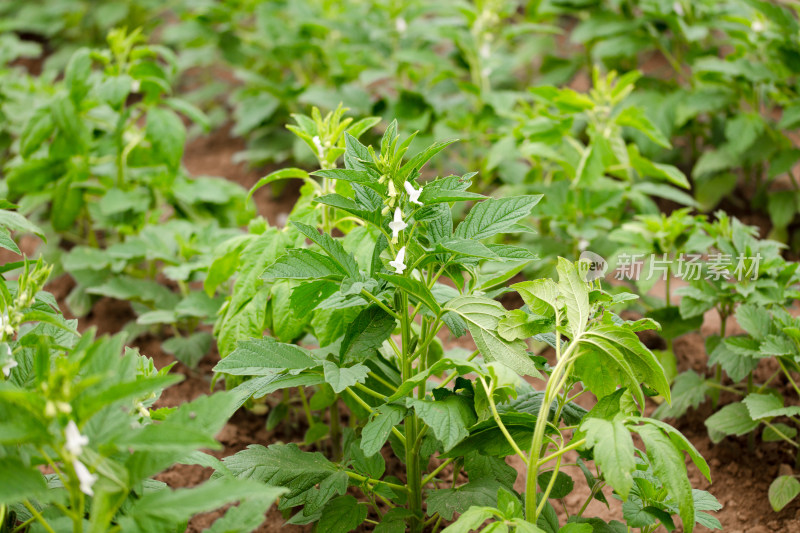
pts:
pixel 427 479
pixel 371 481
pixel 371 392
pixel 306 408
pixel 370 410
pixel 575 445
pixel 380 303
pixel 500 424
pixel 531 510
pixel 414 476
pixel 35 513
pixel 550 486
pixel 336 431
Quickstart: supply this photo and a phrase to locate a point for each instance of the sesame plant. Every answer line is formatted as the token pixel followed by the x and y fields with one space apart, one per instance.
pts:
pixel 745 279
pixel 442 413
pixel 100 155
pixel 574 317
pixel 80 438
pixel 580 149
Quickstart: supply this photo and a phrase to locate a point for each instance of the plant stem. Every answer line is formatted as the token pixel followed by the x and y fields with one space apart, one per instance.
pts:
pixel 413 474
pixel 380 303
pixel 370 410
pixel 306 408
pixel 371 481
pixel 38 516
pixel 427 479
pixel 336 431
pixel 573 446
pixel 500 424
pixel 551 390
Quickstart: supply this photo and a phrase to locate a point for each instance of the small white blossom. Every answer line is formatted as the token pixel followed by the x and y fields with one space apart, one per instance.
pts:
pixel 85 478
pixel 757 26
pixel 398 264
pixel 75 441
pixel 486 51
pixel 400 24
pixel 397 225
pixel 583 244
pixel 677 8
pixel 413 194
pixel 7 366
pixel 5 324
pixel 392 190
pixel 318 145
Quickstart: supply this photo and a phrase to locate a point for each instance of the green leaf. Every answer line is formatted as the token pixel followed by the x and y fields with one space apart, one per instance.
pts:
pixel 768 406
pixel 541 296
pixel 483 317
pixel 346 263
pixel 342 514
pixel 448 502
pixel 379 427
pixel 366 334
pixel 448 418
pixel 281 465
pixel 264 357
pixel 613 451
pixel 562 486
pixel 189 350
pixel 155 509
pixel 282 174
pixel 339 378
pixel 167 134
pixel 19 482
pixel 681 443
pixel 754 319
pixel 16 222
pixel 496 215
pixel 575 294
pixel 301 263
pixel 670 468
pixel 635 118
pixel 355 176
pixel 419 160
pixel 782 491
pixel 770 433
pixel 733 419
pixel 415 288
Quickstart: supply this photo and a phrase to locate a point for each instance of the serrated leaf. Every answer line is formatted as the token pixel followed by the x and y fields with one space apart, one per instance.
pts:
pixel 483 316
pixel 782 491
pixel 346 263
pixel 768 406
pixel 264 357
pixel 366 334
pixel 575 294
pixel 613 451
pixel 379 427
pixel 495 216
pixel 301 263
pixel 733 419
pixel 342 514
pixel 448 418
pixel 339 378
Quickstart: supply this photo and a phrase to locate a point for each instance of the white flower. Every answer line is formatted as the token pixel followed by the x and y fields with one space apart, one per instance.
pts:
pixel 85 478
pixel 400 24
pixel 320 148
pixel 413 194
pixel 757 26
pixel 75 441
pixel 5 324
pixel 397 225
pixel 7 366
pixel 677 8
pixel 398 264
pixel 486 51
pixel 392 190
